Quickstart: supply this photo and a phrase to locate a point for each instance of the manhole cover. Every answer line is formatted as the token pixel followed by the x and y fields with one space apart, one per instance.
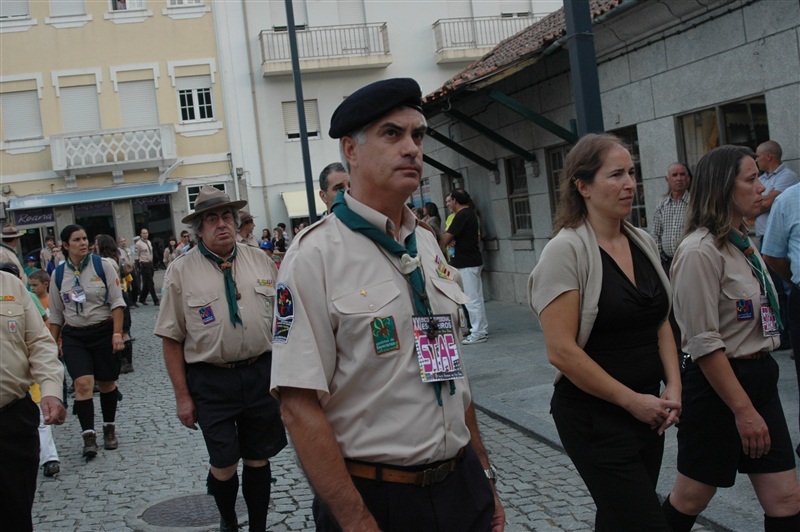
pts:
pixel 187 511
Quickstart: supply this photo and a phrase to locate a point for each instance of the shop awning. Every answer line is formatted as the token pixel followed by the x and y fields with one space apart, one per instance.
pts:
pixel 297 204
pixel 117 192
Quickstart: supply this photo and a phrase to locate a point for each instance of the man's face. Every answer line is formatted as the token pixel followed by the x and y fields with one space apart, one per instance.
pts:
pixel 50 243
pixel 336 181
pixel 184 238
pixel 763 158
pixel 390 160
pixel 218 231
pixel 122 242
pixel 448 202
pixel 248 226
pixel 677 179
pixel 144 234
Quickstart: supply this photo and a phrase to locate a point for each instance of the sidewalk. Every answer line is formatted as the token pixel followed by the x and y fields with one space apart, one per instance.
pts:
pixel 511 379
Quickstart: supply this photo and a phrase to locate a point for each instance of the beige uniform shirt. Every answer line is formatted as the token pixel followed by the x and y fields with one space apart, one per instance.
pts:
pixel 194 310
pixel 250 240
pixel 95 309
pixel 144 250
pixel 28 352
pixel 335 283
pixel 8 255
pixel 124 258
pixel 169 257
pixel 46 254
pixel 708 283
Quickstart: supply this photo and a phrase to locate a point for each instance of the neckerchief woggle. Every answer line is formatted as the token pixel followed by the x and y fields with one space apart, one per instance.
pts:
pixel 226 268
pixel 77 271
pixel 743 244
pixel 421 303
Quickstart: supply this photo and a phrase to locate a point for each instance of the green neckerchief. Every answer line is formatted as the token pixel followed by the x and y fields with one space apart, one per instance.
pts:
pixel 743 244
pixel 77 271
pixel 421 303
pixel 226 268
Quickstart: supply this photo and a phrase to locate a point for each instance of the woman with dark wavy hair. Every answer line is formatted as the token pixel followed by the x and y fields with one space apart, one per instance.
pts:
pixel 603 299
pixel 727 310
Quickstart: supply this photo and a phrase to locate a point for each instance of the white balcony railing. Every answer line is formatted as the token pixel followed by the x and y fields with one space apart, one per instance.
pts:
pixel 326 42
pixel 478 32
pixel 110 150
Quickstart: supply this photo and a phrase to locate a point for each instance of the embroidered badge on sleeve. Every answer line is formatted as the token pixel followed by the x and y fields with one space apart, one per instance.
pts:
pixel 284 317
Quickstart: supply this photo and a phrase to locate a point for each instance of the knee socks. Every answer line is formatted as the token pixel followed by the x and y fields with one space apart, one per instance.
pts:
pixel 224 492
pixel 84 409
pixel 108 404
pixel 256 488
pixel 677 521
pixel 790 523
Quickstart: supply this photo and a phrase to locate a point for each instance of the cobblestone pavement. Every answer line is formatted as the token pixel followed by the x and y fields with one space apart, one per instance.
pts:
pixel 158 459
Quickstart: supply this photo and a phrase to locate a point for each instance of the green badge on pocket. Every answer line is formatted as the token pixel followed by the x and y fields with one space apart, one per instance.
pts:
pixel 384 334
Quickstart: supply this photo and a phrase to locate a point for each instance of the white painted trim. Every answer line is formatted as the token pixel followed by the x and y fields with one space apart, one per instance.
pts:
pixel 205 159
pixel 185 12
pixel 210 61
pixel 15 147
pixel 198 129
pixel 56 74
pixel 132 16
pixel 24 77
pixel 68 21
pixel 114 70
pixel 27 178
pixel 225 179
pixel 17 24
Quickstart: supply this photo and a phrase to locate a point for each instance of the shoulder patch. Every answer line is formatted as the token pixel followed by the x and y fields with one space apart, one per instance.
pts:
pixel 284 315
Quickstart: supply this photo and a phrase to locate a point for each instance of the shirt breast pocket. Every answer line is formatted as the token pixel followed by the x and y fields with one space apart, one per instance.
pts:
pixel 206 311
pixel 357 312
pixel 11 313
pixel 265 301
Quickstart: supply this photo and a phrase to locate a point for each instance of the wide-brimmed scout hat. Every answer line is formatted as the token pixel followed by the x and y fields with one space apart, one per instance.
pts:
pixel 245 217
pixel 10 232
pixel 211 198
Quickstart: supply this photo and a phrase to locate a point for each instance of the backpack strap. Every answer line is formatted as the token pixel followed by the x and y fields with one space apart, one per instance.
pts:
pixel 60 274
pixel 97 262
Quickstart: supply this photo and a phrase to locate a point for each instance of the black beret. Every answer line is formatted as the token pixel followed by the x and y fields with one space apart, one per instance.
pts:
pixel 370 103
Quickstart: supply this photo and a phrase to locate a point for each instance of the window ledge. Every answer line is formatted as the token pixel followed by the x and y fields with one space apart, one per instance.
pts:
pixel 12 25
pixel 309 138
pixel 185 12
pixel 16 147
pixel 68 21
pixel 128 16
pixel 198 129
pixel 521 236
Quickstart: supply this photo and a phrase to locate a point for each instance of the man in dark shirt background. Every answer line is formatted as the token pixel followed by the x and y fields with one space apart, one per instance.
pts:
pixel 464 234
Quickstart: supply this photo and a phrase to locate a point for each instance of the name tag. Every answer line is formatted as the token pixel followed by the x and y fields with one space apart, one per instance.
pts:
pixel 769 324
pixel 437 348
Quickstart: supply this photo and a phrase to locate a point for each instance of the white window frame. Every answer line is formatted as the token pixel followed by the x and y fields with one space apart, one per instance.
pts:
pixel 185 9
pixel 76 19
pixel 135 11
pixel 30 93
pixel 192 191
pixel 291 122
pixel 196 106
pixel 32 145
pixel 18 22
pixel 519 205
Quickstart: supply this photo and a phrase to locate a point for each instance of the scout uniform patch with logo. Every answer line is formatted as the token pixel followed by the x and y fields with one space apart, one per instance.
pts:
pixel 284 317
pixel 384 335
pixel 12 327
pixel 7 298
pixel 207 315
pixel 265 282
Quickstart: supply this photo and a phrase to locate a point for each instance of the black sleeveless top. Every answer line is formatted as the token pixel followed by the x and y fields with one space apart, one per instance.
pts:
pixel 624 339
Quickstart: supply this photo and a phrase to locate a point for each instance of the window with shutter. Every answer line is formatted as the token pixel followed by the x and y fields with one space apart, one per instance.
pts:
pixel 291 123
pixel 66 8
pixel 14 9
pixel 21 115
pixel 80 109
pixel 137 102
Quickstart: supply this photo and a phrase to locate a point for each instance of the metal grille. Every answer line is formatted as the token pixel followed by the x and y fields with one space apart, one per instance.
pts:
pixel 478 32
pixel 326 41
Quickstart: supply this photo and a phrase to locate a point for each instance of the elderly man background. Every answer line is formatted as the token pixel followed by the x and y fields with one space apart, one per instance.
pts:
pixel 216 327
pixel 8 248
pixel 367 359
pixel 332 179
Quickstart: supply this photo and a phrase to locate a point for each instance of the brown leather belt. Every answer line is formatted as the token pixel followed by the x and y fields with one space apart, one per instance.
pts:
pixel 761 355
pixel 91 327
pixel 239 363
pixel 433 475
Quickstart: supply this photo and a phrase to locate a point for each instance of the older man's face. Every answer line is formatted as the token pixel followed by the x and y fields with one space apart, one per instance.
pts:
pixel 218 231
pixel 145 233
pixel 336 181
pixel 677 179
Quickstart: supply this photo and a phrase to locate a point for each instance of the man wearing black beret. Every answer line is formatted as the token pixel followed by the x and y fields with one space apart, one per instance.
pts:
pixel 367 343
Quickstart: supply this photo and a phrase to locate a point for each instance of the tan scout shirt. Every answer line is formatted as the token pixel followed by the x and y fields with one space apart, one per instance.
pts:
pixel 194 310
pixel 95 309
pixel 338 282
pixel 250 240
pixel 144 250
pixel 707 283
pixel 28 352
pixel 8 255
pixel 45 254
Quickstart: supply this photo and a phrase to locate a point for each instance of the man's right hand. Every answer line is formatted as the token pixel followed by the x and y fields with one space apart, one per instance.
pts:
pixel 186 412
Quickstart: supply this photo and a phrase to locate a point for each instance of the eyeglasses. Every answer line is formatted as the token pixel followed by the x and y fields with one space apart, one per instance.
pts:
pixel 213 218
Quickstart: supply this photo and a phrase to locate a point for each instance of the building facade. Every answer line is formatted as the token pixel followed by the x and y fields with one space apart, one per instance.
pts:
pixel 112 116
pixel 676 80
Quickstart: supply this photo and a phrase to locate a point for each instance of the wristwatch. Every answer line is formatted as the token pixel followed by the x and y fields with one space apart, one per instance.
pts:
pixel 491 473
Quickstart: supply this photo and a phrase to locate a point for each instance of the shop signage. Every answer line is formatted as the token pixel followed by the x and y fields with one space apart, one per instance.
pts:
pixel 34 217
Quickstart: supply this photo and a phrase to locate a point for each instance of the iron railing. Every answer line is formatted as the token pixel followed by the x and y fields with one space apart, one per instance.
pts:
pixel 325 42
pixel 478 32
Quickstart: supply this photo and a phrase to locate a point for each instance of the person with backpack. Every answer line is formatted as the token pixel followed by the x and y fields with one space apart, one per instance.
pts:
pixel 86 312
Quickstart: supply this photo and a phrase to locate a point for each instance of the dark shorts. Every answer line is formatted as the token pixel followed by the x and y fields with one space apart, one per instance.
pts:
pixel 238 416
pixel 90 352
pixel 709 446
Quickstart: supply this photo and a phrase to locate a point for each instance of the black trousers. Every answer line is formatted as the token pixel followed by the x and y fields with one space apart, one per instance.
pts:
pixel 19 464
pixel 619 458
pixel 148 286
pixel 464 502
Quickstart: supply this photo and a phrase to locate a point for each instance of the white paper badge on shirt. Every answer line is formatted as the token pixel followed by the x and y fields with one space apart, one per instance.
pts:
pixel 437 348
pixel 769 324
pixel 78 295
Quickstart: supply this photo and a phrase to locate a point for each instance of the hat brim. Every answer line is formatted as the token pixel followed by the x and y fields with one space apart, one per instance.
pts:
pixel 234 204
pixel 11 237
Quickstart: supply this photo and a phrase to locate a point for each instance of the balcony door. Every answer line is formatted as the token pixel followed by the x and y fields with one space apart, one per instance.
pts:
pixel 460 32
pixel 355 39
pixel 137 103
pixel 80 113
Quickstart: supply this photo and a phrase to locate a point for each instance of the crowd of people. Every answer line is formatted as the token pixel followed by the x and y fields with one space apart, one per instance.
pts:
pixel 647 331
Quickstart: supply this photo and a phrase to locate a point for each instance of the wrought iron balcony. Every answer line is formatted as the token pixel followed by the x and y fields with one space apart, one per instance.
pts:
pixel 464 39
pixel 326 48
pixel 112 150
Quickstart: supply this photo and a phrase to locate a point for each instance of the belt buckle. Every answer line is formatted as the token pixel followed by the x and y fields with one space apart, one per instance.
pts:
pixel 435 474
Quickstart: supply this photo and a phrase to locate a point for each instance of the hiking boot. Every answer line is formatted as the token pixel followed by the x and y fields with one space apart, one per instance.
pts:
pixel 50 468
pixel 110 440
pixel 90 444
pixel 225 526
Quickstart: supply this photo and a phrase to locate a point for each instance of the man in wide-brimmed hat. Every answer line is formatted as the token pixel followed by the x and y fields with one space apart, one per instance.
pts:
pixel 216 326
pixel 8 248
pixel 246 226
